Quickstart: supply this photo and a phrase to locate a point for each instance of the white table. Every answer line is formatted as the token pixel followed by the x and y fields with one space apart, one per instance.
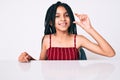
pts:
pixel 60 70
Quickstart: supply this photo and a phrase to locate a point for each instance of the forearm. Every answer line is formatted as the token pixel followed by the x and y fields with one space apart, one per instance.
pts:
pixel 101 42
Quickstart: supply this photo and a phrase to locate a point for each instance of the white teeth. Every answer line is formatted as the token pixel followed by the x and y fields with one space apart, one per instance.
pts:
pixel 62 24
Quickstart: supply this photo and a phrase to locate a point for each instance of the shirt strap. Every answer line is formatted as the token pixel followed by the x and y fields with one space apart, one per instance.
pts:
pixel 50 40
pixel 75 41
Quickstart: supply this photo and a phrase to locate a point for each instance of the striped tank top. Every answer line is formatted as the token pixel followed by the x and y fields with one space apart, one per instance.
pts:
pixel 63 53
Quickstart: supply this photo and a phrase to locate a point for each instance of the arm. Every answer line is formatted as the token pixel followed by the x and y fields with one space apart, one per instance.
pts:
pixel 43 49
pixel 102 47
pixel 25 57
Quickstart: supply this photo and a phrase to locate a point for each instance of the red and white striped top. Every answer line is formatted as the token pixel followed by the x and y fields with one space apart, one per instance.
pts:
pixel 63 53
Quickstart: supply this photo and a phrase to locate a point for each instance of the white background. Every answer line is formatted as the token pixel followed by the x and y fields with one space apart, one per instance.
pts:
pixel 22 25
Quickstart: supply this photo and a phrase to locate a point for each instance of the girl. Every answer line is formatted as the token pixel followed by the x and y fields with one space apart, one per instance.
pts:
pixel 61 41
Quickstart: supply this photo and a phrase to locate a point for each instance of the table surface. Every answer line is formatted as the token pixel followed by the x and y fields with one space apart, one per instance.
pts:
pixel 60 70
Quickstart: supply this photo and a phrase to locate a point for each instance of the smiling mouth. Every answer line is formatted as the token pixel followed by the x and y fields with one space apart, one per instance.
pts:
pixel 62 24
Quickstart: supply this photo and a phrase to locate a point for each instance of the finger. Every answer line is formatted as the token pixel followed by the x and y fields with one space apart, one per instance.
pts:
pixel 26 59
pixel 84 16
pixel 76 14
pixel 79 16
pixel 23 60
pixel 76 22
pixel 25 53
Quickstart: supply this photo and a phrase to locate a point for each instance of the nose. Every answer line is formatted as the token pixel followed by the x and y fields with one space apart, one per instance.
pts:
pixel 63 18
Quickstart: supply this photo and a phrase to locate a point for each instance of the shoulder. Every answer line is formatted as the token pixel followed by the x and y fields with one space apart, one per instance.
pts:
pixel 45 40
pixel 82 40
pixel 80 37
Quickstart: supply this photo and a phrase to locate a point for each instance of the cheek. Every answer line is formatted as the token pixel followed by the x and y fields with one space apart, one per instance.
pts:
pixel 56 22
pixel 69 22
pixel 68 19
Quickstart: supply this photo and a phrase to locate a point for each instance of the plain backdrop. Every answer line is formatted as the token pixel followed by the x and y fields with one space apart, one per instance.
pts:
pixel 22 25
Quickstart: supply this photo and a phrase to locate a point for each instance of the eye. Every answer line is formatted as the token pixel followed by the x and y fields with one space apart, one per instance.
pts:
pixel 66 15
pixel 57 16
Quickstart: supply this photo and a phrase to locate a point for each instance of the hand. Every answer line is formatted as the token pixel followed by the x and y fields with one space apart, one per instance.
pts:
pixel 84 21
pixel 25 57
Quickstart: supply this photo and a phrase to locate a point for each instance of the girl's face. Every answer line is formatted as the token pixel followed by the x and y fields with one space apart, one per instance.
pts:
pixel 62 19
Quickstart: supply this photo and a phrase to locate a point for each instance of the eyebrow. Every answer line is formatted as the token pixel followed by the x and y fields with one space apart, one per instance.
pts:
pixel 64 13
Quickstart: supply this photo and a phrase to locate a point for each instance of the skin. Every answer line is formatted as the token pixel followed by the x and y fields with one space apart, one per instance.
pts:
pixel 63 39
pixel 25 57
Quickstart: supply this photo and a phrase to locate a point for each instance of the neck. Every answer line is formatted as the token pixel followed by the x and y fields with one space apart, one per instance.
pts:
pixel 61 35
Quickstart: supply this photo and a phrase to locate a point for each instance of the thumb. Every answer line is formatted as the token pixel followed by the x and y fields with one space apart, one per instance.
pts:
pixel 78 23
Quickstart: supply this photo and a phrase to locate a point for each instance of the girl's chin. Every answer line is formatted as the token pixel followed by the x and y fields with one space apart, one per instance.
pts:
pixel 63 30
